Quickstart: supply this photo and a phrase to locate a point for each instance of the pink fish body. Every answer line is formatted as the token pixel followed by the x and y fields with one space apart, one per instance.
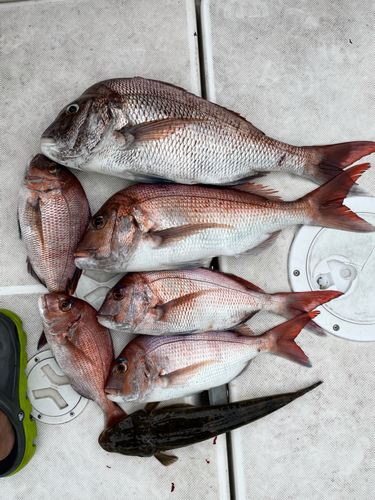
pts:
pixel 150 227
pixel 195 300
pixel 146 130
pixel 82 348
pixel 158 368
pixel 53 213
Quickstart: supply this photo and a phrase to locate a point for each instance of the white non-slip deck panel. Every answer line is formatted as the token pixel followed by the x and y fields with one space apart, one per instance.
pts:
pixel 303 73
pixel 51 52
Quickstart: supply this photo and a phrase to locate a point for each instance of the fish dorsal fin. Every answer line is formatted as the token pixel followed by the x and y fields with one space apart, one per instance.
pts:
pixel 42 340
pixel 163 310
pixel 151 406
pixel 173 234
pixel 158 129
pixel 242 281
pixel 31 271
pixel 183 375
pixel 259 190
pixel 264 245
pixel 165 459
pixel 74 281
pixel 243 330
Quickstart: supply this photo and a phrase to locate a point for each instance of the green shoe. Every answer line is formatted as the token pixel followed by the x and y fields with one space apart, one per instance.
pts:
pixel 13 387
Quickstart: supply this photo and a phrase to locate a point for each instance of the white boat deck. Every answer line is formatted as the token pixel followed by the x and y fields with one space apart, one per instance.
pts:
pixel 303 73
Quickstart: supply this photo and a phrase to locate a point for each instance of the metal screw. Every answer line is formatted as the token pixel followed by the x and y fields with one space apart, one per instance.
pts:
pixel 36 360
pixel 336 327
pixel 40 416
pixel 71 413
pixel 296 272
pixel 20 416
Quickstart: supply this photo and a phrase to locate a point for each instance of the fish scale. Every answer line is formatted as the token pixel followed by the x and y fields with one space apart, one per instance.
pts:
pixel 207 143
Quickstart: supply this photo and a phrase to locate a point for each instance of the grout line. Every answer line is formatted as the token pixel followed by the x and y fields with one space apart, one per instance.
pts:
pixel 24 3
pixel 20 290
pixel 219 394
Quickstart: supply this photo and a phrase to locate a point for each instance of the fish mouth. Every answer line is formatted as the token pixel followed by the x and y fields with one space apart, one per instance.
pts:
pixel 106 321
pixel 111 323
pixel 114 395
pixel 51 149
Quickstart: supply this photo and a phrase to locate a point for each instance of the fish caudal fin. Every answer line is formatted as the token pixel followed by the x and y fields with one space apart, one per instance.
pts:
pixel 293 304
pixel 326 203
pixel 330 160
pixel 282 339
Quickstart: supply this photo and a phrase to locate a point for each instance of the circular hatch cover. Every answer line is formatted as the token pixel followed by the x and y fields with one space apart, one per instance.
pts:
pixel 329 259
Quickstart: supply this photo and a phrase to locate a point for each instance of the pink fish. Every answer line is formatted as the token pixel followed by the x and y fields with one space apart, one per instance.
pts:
pixel 154 368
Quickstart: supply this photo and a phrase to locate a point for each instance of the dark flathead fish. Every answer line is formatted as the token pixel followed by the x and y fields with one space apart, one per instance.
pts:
pixel 53 213
pixel 82 348
pixel 195 301
pixel 153 431
pixel 150 227
pixel 149 131
pixel 151 368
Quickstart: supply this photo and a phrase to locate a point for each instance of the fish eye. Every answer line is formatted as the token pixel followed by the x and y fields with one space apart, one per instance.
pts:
pixel 65 305
pixel 72 109
pixel 98 222
pixel 118 294
pixel 121 367
pixel 53 168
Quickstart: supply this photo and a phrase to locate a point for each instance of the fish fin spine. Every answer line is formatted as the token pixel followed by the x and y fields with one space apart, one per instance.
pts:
pixel 325 204
pixel 329 161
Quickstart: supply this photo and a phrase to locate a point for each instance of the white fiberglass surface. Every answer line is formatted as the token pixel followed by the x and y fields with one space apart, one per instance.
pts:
pixel 51 52
pixel 302 72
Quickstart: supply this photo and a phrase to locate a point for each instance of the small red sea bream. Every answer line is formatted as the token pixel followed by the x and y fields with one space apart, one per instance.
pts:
pixel 151 227
pixel 195 300
pixel 53 213
pixel 149 131
pixel 154 368
pixel 81 346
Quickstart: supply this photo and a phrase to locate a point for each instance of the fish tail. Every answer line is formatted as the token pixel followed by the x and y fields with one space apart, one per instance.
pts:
pixel 281 339
pixel 326 206
pixel 328 161
pixel 292 304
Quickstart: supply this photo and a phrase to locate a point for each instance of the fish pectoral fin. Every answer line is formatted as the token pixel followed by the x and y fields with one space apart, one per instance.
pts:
pixel 264 245
pixel 173 234
pixel 31 271
pixel 183 375
pixel 258 190
pixel 163 310
pixel 157 129
pixel 165 459
pixel 42 341
pixel 151 406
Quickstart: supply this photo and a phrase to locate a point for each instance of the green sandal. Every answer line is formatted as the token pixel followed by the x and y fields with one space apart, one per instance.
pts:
pixel 13 387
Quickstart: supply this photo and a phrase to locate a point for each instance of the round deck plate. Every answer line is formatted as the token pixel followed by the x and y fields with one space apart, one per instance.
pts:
pixel 339 260
pixel 52 398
